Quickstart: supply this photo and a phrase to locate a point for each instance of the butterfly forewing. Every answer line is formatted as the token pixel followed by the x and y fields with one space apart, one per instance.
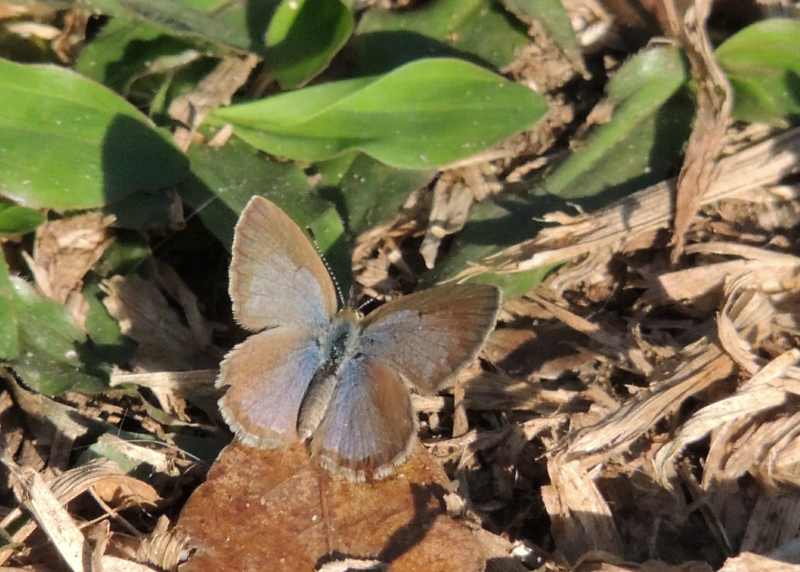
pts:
pixel 267 375
pixel 428 336
pixel 276 276
pixel 369 425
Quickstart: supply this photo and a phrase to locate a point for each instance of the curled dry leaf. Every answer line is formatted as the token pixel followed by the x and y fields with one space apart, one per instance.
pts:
pixel 165 343
pixel 580 517
pixel 713 116
pixel 66 249
pixel 298 515
pixel 216 89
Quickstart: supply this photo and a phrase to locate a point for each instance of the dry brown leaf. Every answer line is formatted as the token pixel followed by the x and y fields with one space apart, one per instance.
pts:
pixel 649 210
pixel 73 483
pixel 66 249
pixel 775 520
pixel 297 514
pixel 762 392
pixel 115 564
pixel 165 343
pixel 713 116
pixel 453 196
pixel 216 89
pixel 696 368
pixel 581 519
pixel 49 512
pixel 596 561
pixel 749 562
pixel 165 547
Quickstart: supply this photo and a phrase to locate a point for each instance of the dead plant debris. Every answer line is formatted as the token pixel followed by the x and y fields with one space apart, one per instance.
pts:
pixel 637 410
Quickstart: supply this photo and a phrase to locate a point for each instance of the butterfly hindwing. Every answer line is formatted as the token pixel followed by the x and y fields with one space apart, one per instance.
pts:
pixel 430 335
pixel 276 276
pixel 369 425
pixel 268 375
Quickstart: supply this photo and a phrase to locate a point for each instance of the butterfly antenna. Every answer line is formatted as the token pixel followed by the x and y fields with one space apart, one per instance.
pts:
pixel 365 303
pixel 336 285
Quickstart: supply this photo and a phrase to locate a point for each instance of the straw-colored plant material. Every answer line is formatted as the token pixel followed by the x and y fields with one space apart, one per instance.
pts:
pixel 103 476
pixel 51 516
pixel 646 211
pixel 580 517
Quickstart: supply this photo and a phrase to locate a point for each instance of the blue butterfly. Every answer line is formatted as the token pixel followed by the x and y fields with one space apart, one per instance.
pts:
pixel 314 373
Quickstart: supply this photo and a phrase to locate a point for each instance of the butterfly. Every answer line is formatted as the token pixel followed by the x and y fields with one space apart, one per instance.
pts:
pixel 329 377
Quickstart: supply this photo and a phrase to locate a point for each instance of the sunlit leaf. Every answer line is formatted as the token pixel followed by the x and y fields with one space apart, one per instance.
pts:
pixel 67 142
pixel 762 63
pixel 18 220
pixel 421 115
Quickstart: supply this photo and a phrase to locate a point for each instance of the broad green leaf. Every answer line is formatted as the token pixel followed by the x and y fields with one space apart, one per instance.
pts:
pixel 419 116
pixel 478 30
pixel 124 50
pixel 555 21
pixel 762 63
pixel 303 36
pixel 493 225
pixel 18 220
pixel 642 142
pixel 227 24
pixel 9 320
pixel 52 347
pixel 67 142
pixel 224 179
pixel 365 191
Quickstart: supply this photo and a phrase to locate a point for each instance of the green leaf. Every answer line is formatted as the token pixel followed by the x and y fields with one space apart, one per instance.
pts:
pixel 18 220
pixel 421 115
pixel 109 343
pixel 478 30
pixel 224 179
pixel 762 63
pixel 52 346
pixel 365 191
pixel 555 21
pixel 642 142
pixel 69 143
pixel 9 321
pixel 223 23
pixel 124 50
pixel 303 36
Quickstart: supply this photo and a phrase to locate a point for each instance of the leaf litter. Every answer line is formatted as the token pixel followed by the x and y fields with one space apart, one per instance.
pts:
pixel 632 412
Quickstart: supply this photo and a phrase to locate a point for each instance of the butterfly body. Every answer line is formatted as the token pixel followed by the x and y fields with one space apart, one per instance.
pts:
pixel 339 342
pixel 329 377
